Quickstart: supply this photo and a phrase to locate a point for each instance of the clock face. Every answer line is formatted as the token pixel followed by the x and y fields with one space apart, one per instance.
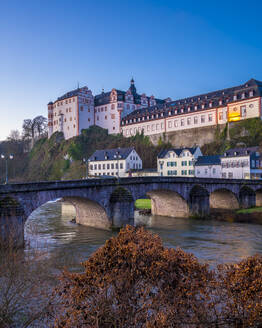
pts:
pixel 235 109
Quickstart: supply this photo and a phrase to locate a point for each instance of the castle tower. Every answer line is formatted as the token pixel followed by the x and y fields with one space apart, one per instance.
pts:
pixel 50 119
pixel 132 87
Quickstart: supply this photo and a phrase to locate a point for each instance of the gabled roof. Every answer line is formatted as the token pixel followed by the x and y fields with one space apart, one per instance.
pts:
pixel 208 160
pixel 240 151
pixel 178 151
pixel 219 98
pixel 111 154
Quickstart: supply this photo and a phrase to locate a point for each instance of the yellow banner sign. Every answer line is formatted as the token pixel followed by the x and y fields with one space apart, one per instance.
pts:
pixel 234 113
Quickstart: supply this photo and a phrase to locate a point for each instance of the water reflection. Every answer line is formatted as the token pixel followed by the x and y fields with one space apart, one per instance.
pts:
pixel 211 241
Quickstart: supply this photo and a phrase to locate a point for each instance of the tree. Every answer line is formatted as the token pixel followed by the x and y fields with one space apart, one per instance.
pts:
pixel 36 126
pixel 14 136
pixel 40 124
pixel 134 281
pixel 28 129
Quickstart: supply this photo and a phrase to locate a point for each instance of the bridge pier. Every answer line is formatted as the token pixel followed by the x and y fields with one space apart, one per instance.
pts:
pixel 121 208
pixel 12 221
pixel 247 198
pixel 199 202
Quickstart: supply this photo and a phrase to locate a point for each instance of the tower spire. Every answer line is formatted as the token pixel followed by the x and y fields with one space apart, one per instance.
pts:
pixel 132 86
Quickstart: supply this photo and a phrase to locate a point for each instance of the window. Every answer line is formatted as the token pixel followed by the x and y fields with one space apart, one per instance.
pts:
pixel 224 175
pixel 202 119
pixel 195 120
pixel 230 175
pixel 235 97
pixel 205 171
pixel 175 123
pixel 104 166
pixel 95 167
pixel 169 124
pixel 121 165
pixel 251 93
pixel 91 167
pixel 188 121
pixel 210 117
pixel 182 122
pixel 99 166
pixel 112 166
pixel 81 108
pixel 220 116
pixel 108 166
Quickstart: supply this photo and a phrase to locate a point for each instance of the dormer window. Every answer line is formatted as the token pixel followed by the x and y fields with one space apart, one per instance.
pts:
pixel 188 108
pixel 220 102
pixel 182 110
pixel 196 107
pixel 203 106
pixel 210 104
pixel 243 95
pixel 169 113
pixel 175 111
pixel 235 97
pixel 251 93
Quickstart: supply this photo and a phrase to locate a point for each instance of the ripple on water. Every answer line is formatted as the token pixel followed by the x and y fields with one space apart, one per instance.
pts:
pixel 211 241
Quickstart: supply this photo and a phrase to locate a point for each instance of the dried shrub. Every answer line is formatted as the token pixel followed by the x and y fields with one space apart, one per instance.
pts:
pixel 240 289
pixel 134 281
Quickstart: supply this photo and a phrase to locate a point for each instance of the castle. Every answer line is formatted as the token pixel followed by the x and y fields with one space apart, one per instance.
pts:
pixel 128 112
pixel 79 109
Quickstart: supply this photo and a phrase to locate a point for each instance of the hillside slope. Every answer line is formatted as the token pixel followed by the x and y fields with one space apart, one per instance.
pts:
pixel 56 158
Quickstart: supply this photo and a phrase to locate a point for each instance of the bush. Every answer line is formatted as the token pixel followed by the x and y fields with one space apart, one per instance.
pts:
pixel 134 281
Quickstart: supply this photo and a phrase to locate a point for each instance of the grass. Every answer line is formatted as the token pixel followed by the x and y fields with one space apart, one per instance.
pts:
pixel 143 204
pixel 250 210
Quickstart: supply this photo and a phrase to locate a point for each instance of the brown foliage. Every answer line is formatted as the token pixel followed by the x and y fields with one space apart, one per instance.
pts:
pixel 240 289
pixel 134 281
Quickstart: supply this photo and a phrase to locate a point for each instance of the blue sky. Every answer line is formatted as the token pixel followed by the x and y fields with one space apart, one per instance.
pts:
pixel 171 48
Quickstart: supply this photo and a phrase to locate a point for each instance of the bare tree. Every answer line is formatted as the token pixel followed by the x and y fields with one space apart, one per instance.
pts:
pixel 14 136
pixel 40 125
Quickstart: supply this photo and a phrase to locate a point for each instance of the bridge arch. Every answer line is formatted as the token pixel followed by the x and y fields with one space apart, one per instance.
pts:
pixel 247 197
pixel 166 202
pixel 199 201
pixel 121 207
pixel 259 197
pixel 223 198
pixel 12 220
pixel 89 212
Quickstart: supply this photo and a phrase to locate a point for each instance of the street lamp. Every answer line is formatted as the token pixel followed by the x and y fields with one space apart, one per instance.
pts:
pixel 6 158
pixel 86 161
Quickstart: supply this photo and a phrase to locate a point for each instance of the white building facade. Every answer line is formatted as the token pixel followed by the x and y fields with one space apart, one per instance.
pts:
pixel 208 167
pixel 79 109
pixel 178 162
pixel 218 107
pixel 71 113
pixel 114 162
pixel 241 163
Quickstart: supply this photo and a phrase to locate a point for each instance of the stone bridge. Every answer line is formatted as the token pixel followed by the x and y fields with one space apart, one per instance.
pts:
pixel 104 203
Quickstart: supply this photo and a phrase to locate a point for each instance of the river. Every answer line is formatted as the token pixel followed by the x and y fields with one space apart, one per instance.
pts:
pixel 213 242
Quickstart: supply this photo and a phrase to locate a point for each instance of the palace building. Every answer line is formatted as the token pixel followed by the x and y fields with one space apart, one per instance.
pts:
pixel 218 107
pixel 79 109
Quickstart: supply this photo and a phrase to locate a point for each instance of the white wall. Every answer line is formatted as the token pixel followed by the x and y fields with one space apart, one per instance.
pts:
pixel 174 165
pixel 235 172
pixel 208 171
